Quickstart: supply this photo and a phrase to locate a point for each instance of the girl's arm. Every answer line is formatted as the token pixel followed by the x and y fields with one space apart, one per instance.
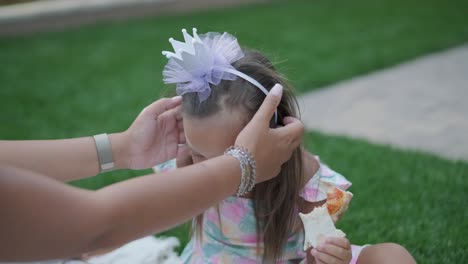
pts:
pixel 327 252
pixel 311 166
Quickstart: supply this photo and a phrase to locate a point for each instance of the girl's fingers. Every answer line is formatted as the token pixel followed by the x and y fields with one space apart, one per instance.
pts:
pixel 318 261
pixel 338 241
pixel 333 250
pixel 322 257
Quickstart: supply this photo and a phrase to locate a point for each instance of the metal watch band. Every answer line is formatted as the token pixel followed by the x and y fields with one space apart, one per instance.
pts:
pixel 104 152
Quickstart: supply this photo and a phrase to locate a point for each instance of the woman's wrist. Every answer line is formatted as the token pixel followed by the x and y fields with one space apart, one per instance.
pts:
pixel 247 165
pixel 118 142
pixel 231 178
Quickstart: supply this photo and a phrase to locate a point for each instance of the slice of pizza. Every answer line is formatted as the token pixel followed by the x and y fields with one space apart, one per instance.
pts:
pixel 317 226
pixel 337 202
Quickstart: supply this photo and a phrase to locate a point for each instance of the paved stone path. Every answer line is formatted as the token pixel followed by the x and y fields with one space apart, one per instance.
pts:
pixel 52 15
pixel 421 105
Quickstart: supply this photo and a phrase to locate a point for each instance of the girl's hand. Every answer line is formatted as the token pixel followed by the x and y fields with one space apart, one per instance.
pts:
pixel 333 251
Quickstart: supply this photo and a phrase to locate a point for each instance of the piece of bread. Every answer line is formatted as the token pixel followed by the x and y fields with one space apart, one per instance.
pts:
pixel 318 224
pixel 337 202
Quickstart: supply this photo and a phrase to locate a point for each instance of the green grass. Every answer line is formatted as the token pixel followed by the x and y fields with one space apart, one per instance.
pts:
pixel 414 199
pixel 97 78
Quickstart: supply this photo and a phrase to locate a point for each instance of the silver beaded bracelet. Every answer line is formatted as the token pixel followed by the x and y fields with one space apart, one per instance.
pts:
pixel 248 169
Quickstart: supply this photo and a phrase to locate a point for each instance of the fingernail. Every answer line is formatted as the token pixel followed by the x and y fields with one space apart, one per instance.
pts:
pixel 177 98
pixel 277 89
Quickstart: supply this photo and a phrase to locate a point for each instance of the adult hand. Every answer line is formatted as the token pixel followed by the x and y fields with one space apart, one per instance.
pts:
pixel 154 135
pixel 335 250
pixel 270 147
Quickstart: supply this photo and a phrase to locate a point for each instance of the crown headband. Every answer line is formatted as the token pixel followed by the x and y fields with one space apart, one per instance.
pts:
pixel 202 60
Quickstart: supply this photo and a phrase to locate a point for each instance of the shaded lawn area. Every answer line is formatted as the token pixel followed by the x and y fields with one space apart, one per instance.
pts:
pixel 97 78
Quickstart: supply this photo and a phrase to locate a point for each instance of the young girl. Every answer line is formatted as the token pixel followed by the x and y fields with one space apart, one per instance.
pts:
pixel 222 88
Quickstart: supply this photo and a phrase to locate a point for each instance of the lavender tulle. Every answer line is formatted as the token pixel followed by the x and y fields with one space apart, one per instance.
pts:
pixel 193 73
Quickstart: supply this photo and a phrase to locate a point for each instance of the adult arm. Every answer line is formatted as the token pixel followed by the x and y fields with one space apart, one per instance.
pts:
pixel 151 139
pixel 43 218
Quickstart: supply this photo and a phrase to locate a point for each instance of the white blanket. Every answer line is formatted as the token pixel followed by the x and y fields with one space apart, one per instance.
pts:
pixel 148 250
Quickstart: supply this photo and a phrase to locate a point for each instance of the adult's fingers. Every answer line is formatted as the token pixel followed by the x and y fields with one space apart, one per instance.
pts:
pixel 179 113
pixel 289 120
pixel 169 116
pixel 182 139
pixel 183 156
pixel 180 125
pixel 293 131
pixel 162 105
pixel 269 105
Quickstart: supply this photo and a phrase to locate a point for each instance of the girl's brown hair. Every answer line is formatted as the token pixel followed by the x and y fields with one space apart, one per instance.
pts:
pixel 275 201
